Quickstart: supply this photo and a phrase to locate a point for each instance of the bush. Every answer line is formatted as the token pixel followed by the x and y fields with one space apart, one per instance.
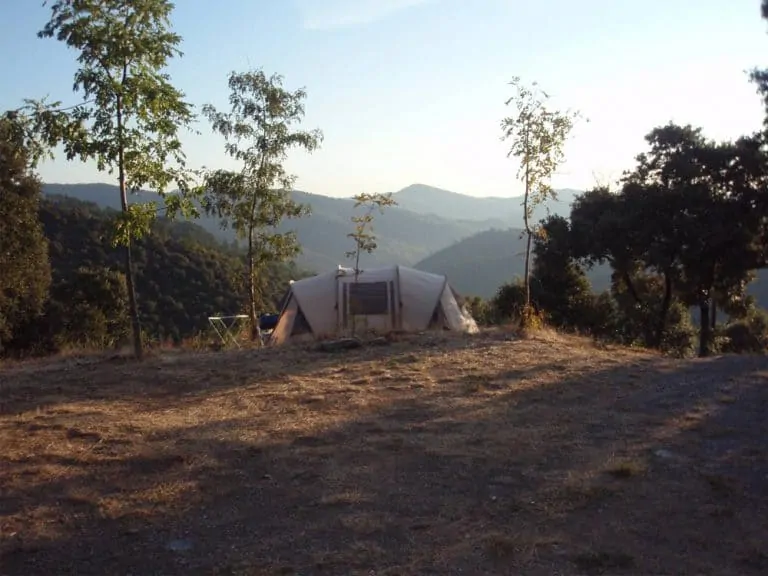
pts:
pixel 481 310
pixel 680 335
pixel 600 317
pixel 748 336
pixel 508 303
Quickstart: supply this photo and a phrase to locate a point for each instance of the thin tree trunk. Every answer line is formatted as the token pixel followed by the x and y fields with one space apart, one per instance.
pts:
pixel 527 243
pixel 352 315
pixel 527 308
pixel 713 314
pixel 665 304
pixel 252 316
pixel 704 327
pixel 127 256
pixel 527 270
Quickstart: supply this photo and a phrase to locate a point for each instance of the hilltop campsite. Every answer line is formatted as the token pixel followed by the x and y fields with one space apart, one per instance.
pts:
pixel 231 342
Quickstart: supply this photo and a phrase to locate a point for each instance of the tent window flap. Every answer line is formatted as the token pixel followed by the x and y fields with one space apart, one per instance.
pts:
pixel 368 298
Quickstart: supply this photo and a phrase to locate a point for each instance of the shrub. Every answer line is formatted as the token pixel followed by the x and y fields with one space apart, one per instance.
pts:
pixel 749 335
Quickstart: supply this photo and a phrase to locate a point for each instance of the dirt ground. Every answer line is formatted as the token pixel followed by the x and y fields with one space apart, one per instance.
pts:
pixel 432 455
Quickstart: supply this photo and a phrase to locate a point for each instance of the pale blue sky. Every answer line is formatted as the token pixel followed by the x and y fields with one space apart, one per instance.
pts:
pixel 413 90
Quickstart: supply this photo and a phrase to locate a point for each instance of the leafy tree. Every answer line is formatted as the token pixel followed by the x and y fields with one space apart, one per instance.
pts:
pixel 659 196
pixel 132 110
pixel 25 273
pixel 259 131
pixel 559 285
pixel 538 136
pixel 365 241
pixel 717 226
pixel 692 213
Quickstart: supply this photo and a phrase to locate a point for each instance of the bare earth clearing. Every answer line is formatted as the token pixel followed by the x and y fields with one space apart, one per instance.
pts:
pixel 433 455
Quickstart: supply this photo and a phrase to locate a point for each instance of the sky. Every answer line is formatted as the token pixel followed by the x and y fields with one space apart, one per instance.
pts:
pixel 413 91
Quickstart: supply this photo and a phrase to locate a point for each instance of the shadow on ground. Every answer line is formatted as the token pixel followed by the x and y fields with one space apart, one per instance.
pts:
pixel 650 467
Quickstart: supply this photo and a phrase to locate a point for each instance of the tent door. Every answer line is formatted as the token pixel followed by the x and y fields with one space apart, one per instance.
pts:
pixel 368 305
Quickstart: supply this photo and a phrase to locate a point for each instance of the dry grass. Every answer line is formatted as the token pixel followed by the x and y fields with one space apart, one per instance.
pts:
pixel 434 454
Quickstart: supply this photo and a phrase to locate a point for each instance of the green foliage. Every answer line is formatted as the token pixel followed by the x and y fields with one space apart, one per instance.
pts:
pixel 509 301
pixel 183 275
pixel 749 335
pixel 538 136
pixel 259 131
pixel 88 309
pixel 365 241
pixel 691 216
pixel 481 310
pixel 25 273
pixel 132 112
pixel 561 286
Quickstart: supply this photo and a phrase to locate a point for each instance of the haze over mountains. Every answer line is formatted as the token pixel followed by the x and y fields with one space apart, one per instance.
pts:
pixel 427 222
pixel 494 211
pixel 476 242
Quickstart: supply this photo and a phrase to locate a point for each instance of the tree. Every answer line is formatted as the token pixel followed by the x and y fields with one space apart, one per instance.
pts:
pixel 26 272
pixel 692 214
pixel 259 131
pixel 559 285
pixel 538 136
pixel 363 236
pixel 132 110
pixel 660 195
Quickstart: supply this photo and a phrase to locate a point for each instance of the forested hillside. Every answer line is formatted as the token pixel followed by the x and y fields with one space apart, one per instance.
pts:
pixel 403 236
pixel 183 275
pixel 480 264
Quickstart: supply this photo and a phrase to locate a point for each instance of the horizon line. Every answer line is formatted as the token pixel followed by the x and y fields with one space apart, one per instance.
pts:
pixel 434 188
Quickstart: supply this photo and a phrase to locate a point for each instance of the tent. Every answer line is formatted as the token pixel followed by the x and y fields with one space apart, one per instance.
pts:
pixel 395 298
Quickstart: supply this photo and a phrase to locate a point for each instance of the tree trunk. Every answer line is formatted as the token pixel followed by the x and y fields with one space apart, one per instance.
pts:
pixel 631 287
pixel 127 256
pixel 704 328
pixel 528 270
pixel 252 315
pixel 527 307
pixel 714 314
pixel 665 304
pixel 352 315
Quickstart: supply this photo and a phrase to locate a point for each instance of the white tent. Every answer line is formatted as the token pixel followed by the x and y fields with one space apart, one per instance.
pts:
pixel 388 299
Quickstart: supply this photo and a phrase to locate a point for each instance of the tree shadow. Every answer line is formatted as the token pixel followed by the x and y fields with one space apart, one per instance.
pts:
pixel 621 469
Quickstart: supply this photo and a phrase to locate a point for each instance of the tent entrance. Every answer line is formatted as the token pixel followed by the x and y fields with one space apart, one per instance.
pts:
pixel 367 305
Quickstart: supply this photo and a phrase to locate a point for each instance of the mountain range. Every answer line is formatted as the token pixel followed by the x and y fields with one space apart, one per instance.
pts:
pixel 475 242
pixel 425 222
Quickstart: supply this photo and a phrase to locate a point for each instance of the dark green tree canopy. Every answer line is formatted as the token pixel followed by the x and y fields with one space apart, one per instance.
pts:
pixel 25 273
